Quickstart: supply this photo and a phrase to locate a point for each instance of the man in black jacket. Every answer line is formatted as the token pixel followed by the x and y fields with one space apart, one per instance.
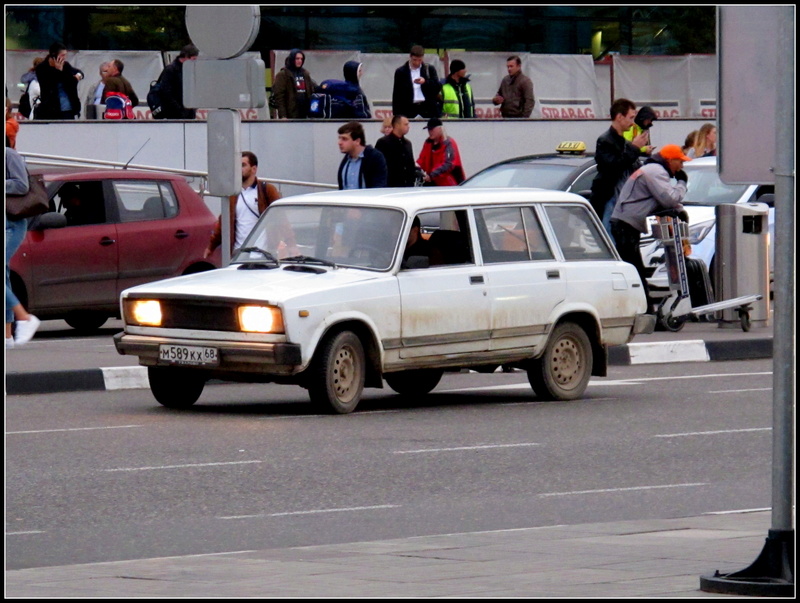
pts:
pixel 399 154
pixel 362 166
pixel 616 159
pixel 416 87
pixel 172 86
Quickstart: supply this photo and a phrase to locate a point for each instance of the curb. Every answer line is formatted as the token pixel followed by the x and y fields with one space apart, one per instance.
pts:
pixel 135 377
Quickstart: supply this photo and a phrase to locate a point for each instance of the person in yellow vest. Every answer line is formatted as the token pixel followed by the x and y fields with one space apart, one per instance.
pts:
pixel 457 99
pixel 641 125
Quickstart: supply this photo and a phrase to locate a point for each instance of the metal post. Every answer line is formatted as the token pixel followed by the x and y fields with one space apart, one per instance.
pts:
pixel 772 573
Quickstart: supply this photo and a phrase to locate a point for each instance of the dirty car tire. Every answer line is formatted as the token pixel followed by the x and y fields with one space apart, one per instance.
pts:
pixel 563 371
pixel 414 383
pixel 175 387
pixel 338 372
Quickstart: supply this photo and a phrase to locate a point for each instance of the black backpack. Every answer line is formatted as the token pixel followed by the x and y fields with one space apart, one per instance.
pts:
pixel 154 100
pixel 25 102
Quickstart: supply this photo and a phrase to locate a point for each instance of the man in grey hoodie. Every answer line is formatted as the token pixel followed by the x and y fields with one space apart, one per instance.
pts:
pixel 649 190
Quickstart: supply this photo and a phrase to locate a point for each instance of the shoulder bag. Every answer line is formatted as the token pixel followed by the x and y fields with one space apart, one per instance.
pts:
pixel 32 203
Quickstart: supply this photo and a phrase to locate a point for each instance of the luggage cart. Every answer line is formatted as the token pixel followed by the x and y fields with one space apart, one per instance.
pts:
pixel 676 308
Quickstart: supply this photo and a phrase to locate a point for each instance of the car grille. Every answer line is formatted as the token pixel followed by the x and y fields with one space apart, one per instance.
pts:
pixel 198 315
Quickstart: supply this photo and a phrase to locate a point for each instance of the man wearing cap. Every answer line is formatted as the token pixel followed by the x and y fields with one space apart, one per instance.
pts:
pixel 648 191
pixel 439 157
pixel 416 87
pixel 457 100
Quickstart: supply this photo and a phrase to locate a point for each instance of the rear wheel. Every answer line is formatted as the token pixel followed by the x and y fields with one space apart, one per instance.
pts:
pixel 563 371
pixel 414 383
pixel 338 373
pixel 175 387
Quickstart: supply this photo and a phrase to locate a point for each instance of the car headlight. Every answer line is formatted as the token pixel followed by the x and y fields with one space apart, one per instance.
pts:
pixel 145 312
pixel 260 319
pixel 698 232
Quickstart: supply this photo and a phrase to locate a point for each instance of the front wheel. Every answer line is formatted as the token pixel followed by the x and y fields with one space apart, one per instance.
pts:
pixel 85 320
pixel 175 387
pixel 563 371
pixel 415 382
pixel 338 373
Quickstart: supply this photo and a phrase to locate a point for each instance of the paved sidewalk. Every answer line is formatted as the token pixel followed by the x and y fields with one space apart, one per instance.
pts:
pixel 58 361
pixel 646 558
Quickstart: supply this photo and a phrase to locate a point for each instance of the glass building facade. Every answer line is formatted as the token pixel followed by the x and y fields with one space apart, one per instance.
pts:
pixel 595 30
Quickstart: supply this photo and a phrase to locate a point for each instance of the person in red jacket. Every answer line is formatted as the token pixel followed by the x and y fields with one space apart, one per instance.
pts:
pixel 439 157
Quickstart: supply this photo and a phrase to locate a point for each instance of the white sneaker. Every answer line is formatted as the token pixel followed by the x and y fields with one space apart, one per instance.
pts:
pixel 9 343
pixel 25 330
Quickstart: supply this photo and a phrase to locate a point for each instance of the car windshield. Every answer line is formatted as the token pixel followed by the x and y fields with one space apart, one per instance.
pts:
pixel 705 187
pixel 363 237
pixel 525 175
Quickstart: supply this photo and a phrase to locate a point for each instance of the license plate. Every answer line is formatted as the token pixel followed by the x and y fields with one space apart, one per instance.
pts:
pixel 188 355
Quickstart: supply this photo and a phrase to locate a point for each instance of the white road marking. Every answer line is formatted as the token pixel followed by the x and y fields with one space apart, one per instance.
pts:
pixel 696 433
pixel 24 533
pixel 736 391
pixel 482 447
pixel 313 512
pixel 182 466
pixel 738 511
pixel 73 429
pixel 609 490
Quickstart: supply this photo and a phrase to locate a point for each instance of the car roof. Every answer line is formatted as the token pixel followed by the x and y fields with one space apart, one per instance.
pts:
pixel 554 158
pixel 415 199
pixel 73 173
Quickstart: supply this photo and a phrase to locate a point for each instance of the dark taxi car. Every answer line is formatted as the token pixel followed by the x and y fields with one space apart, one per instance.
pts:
pixel 108 230
pixel 569 169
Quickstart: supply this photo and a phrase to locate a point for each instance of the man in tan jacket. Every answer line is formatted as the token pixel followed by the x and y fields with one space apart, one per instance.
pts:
pixel 246 207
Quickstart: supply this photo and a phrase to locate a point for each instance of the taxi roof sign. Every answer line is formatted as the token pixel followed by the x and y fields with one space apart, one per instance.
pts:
pixel 575 146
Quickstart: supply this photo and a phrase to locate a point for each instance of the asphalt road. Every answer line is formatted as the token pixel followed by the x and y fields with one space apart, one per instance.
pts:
pixel 101 476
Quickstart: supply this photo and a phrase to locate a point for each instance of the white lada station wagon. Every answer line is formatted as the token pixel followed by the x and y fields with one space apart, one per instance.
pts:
pixel 325 294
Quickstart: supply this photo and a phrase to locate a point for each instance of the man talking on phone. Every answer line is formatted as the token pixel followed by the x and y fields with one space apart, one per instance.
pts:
pixel 58 81
pixel 416 87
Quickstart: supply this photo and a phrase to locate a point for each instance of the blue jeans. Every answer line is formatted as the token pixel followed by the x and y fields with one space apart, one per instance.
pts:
pixel 606 217
pixel 15 234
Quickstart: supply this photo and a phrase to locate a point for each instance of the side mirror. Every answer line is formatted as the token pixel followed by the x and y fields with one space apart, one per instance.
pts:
pixel 51 219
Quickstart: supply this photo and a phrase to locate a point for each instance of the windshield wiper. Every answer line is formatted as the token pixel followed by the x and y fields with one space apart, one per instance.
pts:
pixel 307 259
pixel 267 255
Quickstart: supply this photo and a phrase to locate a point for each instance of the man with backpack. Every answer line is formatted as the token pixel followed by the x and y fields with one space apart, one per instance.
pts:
pixel 115 82
pixel 169 101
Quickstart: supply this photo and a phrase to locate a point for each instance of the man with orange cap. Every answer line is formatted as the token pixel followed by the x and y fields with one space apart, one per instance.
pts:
pixel 649 190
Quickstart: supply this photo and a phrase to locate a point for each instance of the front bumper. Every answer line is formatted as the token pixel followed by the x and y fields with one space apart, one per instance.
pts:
pixel 234 357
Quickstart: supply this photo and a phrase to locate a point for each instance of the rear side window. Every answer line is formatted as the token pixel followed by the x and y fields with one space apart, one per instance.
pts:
pixel 145 200
pixel 577 233
pixel 511 234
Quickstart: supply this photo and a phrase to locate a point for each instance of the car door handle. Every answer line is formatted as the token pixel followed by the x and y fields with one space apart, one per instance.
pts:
pixel 553 274
pixel 181 234
pixel 476 280
pixel 105 241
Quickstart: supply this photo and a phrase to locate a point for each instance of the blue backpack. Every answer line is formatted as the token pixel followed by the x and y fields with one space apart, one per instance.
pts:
pixel 344 101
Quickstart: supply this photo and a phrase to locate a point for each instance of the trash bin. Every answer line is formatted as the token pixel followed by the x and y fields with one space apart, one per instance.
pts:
pixel 742 260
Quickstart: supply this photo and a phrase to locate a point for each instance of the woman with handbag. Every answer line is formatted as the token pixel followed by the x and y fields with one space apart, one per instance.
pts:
pixel 17 184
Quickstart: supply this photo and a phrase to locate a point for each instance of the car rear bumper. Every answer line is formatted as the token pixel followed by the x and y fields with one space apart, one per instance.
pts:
pixel 234 357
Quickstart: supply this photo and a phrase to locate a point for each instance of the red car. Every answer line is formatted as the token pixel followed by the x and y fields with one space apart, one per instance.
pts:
pixel 108 230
